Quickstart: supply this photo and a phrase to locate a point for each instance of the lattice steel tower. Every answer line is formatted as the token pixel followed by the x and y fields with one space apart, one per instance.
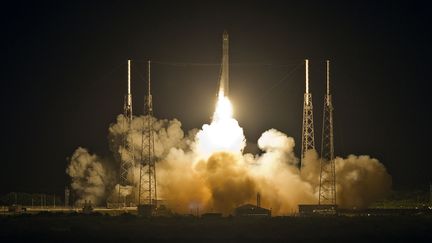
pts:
pixel 308 140
pixel 126 160
pixel 147 193
pixel 327 189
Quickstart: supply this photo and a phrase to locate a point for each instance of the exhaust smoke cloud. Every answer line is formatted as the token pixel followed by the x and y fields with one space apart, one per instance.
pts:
pixel 207 168
pixel 90 177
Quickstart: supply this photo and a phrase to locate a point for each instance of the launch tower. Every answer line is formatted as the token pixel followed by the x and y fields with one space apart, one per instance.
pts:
pixel 147 193
pixel 126 160
pixel 308 141
pixel 327 189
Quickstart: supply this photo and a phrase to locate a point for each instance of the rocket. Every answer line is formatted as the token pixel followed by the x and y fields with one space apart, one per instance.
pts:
pixel 128 97
pixel 224 78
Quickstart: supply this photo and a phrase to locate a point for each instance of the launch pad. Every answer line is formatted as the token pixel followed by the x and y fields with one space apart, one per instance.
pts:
pixel 143 147
pixel 317 209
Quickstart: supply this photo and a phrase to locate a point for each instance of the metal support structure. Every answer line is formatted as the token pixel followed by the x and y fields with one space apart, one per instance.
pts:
pixel 327 189
pixel 147 193
pixel 125 164
pixel 308 139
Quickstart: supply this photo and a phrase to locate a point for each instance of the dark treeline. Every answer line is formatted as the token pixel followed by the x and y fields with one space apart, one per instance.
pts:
pixel 32 199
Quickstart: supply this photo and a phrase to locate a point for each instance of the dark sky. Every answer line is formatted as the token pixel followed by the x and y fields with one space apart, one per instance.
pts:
pixel 64 76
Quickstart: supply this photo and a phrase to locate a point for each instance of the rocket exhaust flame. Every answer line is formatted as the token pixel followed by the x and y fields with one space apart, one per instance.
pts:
pixel 224 108
pixel 224 133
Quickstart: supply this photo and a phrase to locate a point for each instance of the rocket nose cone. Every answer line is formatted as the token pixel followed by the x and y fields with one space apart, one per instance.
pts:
pixel 225 35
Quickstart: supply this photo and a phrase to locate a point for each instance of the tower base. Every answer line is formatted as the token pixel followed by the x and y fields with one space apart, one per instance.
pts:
pixel 146 210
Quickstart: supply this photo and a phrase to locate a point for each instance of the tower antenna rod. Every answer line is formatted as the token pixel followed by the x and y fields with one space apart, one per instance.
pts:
pixel 129 77
pixel 307 75
pixel 149 91
pixel 328 77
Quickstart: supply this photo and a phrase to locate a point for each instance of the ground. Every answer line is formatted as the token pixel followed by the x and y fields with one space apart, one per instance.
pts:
pixel 128 228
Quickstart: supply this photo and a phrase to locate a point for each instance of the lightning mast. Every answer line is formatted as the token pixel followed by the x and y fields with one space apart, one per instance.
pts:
pixel 327 189
pixel 308 141
pixel 147 193
pixel 125 163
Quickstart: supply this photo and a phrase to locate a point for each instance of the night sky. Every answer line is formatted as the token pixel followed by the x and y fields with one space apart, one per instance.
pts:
pixel 64 73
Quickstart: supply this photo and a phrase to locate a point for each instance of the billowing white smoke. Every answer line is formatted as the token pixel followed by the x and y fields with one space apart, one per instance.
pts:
pixel 220 177
pixel 281 186
pixel 167 134
pixel 90 179
pixel 360 181
pixel 228 179
pixel 95 179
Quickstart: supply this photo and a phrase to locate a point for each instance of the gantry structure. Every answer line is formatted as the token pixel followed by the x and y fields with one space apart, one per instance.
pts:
pixel 308 139
pixel 127 154
pixel 147 192
pixel 327 189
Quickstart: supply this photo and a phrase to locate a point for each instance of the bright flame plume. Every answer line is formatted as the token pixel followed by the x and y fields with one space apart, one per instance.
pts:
pixel 223 109
pixel 224 133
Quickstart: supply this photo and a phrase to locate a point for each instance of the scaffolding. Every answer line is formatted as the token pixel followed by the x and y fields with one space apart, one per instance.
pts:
pixel 147 193
pixel 127 155
pixel 308 140
pixel 327 189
